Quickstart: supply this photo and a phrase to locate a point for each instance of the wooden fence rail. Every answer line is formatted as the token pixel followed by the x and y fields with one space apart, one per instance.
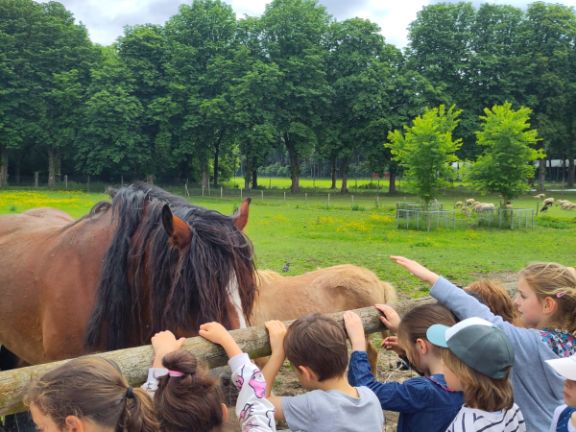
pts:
pixel 134 362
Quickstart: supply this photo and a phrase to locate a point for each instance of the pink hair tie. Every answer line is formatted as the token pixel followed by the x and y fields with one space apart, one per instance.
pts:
pixel 560 294
pixel 175 373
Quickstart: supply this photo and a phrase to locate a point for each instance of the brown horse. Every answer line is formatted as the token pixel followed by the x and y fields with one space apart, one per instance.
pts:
pixel 148 261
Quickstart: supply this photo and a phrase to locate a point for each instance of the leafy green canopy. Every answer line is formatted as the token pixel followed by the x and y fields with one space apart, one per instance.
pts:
pixel 505 165
pixel 427 149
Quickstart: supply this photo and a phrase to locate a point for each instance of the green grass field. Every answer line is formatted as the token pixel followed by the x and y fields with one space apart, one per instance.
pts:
pixel 315 232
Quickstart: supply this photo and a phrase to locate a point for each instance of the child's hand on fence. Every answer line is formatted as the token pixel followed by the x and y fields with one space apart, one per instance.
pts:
pixel 390 317
pixel 163 343
pixel 276 332
pixel 391 344
pixel 355 330
pixel 416 269
pixel 216 333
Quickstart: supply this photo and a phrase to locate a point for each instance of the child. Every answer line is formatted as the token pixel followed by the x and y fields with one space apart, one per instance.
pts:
pixel 89 394
pixel 477 362
pixel 495 296
pixel 316 347
pixel 424 403
pixel 546 301
pixel 564 419
pixel 187 398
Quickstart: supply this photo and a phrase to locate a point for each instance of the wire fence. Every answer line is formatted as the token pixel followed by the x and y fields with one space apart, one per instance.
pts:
pixel 417 217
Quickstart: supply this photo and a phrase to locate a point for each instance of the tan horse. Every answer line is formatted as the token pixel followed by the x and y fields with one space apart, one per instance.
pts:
pixel 332 289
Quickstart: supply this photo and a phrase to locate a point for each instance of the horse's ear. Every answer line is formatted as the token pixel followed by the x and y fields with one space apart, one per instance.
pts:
pixel 241 216
pixel 179 232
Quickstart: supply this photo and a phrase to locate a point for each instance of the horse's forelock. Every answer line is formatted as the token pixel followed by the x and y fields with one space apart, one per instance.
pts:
pixel 217 256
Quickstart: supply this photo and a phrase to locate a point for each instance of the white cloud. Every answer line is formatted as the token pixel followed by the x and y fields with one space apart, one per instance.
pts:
pixel 105 19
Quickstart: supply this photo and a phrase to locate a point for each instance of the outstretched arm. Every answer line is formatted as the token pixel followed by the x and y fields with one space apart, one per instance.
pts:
pixel 416 269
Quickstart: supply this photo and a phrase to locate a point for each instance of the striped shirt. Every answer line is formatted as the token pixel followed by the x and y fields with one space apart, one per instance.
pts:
pixel 476 420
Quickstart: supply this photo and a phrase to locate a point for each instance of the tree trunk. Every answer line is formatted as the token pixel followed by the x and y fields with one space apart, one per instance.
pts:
pixel 53 167
pixel 392 184
pixel 294 159
pixel 344 169
pixel 541 174
pixel 17 170
pixel 3 167
pixel 247 174
pixel 217 148
pixel 571 171
pixel 216 161
pixel 333 172
pixel 205 175
pixel 254 178
pixel 392 170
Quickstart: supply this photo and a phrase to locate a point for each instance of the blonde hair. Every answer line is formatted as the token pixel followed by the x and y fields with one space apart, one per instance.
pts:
pixel 95 389
pixel 480 391
pixel 493 294
pixel 555 280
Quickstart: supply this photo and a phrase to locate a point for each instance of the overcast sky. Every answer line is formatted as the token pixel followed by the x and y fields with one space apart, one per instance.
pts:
pixel 105 19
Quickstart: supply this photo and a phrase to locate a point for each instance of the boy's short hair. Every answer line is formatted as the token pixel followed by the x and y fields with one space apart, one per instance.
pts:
pixel 319 343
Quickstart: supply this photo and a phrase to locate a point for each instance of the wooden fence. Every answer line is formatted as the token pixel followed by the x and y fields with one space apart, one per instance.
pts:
pixel 134 362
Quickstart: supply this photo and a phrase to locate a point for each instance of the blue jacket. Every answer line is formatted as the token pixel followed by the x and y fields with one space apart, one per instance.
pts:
pixel 424 403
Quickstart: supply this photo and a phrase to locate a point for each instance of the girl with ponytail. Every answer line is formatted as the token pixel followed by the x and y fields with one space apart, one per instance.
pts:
pixel 89 395
pixel 188 399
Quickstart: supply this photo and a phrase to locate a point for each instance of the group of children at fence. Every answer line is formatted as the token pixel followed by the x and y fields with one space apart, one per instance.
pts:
pixel 484 365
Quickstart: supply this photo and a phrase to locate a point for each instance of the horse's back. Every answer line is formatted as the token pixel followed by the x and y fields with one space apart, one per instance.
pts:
pixel 331 289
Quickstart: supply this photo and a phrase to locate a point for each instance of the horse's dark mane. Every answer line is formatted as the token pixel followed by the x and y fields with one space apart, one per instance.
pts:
pixel 148 285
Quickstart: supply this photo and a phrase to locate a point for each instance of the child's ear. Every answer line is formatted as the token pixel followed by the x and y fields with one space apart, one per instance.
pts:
pixel 422 346
pixel 225 412
pixel 549 305
pixel 73 424
pixel 307 373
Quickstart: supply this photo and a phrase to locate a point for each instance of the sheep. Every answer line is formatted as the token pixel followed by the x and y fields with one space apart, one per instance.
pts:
pixel 547 203
pixel 458 205
pixel 470 202
pixel 540 196
pixel 481 207
pixel 567 205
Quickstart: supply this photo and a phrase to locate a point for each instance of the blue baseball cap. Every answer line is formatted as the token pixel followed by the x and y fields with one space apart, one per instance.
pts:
pixel 477 343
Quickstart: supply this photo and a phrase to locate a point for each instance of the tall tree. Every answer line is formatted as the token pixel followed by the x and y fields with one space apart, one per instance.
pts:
pixel 111 141
pixel 143 51
pixel 293 34
pixel 427 149
pixel 202 42
pixel 505 165
pixel 254 109
pixel 549 40
pixel 62 68
pixel 359 64
pixel 439 49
